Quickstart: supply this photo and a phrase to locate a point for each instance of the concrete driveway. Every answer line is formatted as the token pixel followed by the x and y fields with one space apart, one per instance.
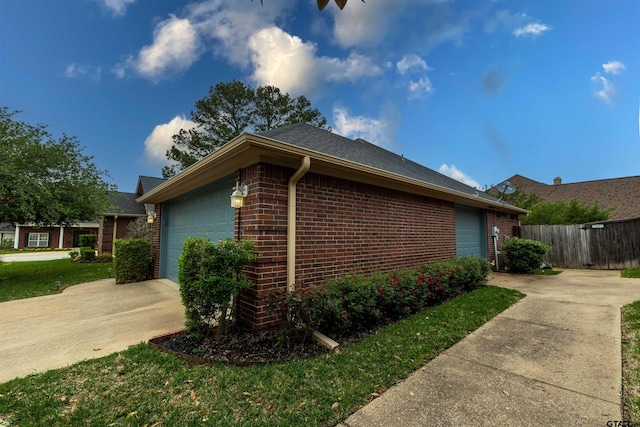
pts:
pixel 85 321
pixel 34 256
pixel 554 358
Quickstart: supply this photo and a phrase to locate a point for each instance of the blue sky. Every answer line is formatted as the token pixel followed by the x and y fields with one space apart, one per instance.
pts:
pixel 479 90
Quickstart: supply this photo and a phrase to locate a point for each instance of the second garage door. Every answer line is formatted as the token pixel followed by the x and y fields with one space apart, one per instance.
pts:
pixel 471 238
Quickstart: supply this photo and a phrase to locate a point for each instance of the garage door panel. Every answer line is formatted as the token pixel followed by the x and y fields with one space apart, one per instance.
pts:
pixel 470 231
pixel 203 212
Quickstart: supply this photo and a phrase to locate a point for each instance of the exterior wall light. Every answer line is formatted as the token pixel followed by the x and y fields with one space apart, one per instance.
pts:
pixel 238 195
pixel 150 217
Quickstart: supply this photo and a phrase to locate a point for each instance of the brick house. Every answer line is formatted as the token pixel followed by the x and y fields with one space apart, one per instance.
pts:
pixel 56 236
pixel 621 194
pixel 320 205
pixel 125 210
pixel 113 225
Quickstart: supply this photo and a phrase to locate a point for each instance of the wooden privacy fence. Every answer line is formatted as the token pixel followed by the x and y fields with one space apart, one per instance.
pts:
pixel 606 245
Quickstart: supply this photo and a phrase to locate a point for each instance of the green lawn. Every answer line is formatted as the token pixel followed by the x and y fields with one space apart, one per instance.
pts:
pixel 141 386
pixel 36 278
pixel 631 361
pixel 631 273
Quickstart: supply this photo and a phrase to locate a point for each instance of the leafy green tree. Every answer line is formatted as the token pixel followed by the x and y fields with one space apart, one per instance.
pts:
pixel 564 213
pixel 518 198
pixel 44 180
pixel 228 110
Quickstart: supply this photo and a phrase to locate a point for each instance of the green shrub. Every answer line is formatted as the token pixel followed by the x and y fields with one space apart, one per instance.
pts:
pixel 523 255
pixel 74 255
pixel 355 303
pixel 87 254
pixel 132 260
pixel 210 277
pixel 6 244
pixel 88 240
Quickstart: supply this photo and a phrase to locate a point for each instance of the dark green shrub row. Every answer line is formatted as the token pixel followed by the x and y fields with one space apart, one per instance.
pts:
pixel 210 277
pixel 132 260
pixel 87 253
pixel 354 303
pixel 523 255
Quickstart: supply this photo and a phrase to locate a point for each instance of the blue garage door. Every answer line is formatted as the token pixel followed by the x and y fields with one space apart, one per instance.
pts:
pixel 471 234
pixel 206 211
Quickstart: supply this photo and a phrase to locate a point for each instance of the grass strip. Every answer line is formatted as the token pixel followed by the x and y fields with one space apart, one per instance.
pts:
pixel 632 273
pixel 631 362
pixel 145 387
pixel 29 279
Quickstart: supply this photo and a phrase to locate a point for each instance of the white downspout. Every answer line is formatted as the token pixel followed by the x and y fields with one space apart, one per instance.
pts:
pixel 291 223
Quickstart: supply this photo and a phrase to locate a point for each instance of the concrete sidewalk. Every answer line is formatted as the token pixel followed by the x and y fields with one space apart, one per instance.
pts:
pixel 85 321
pixel 552 359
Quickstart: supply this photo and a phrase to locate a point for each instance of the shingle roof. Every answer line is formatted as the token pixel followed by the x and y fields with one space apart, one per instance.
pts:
pixel 621 194
pixel 365 153
pixel 125 204
pixel 5 226
pixel 147 183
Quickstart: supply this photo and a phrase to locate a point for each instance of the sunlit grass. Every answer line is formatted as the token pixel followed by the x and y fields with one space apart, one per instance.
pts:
pixel 143 387
pixel 36 278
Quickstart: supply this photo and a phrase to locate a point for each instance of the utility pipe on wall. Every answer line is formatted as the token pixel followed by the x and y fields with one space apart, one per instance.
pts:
pixel 291 223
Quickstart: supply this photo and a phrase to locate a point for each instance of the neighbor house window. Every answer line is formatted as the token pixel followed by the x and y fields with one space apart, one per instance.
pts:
pixel 38 240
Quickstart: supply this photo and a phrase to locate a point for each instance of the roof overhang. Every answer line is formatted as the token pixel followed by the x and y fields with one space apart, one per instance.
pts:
pixel 248 149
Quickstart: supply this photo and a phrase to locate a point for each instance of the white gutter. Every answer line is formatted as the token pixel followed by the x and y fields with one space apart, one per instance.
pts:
pixel 291 223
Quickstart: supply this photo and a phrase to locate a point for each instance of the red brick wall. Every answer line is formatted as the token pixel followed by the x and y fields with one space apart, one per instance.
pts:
pixel 342 226
pixel 155 241
pixel 505 224
pixel 105 235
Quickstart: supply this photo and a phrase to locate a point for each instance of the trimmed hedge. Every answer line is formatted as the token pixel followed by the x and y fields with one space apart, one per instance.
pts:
pixel 132 261
pixel 87 253
pixel 210 277
pixel 88 240
pixel 356 303
pixel 523 255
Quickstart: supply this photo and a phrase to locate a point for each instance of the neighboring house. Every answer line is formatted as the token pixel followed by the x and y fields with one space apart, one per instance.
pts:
pixel 125 210
pixel 112 226
pixel 320 205
pixel 57 236
pixel 7 232
pixel 621 194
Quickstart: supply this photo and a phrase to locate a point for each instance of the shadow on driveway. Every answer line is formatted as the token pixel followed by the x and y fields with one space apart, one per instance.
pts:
pixel 86 321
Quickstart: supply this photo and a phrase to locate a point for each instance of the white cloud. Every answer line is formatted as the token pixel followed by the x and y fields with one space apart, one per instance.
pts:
pixel 361 24
pixel 606 89
pixel 455 173
pixel 420 88
pixel 74 71
pixel 176 45
pixel 409 62
pixel 287 62
pixel 116 7
pixel 244 34
pixel 377 131
pixel 161 139
pixel 613 67
pixel 531 30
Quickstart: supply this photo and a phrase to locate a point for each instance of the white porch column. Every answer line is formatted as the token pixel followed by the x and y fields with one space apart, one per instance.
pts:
pixel 60 239
pixel 15 237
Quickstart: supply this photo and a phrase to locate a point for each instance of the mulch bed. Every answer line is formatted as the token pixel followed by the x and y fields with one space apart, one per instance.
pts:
pixel 241 347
